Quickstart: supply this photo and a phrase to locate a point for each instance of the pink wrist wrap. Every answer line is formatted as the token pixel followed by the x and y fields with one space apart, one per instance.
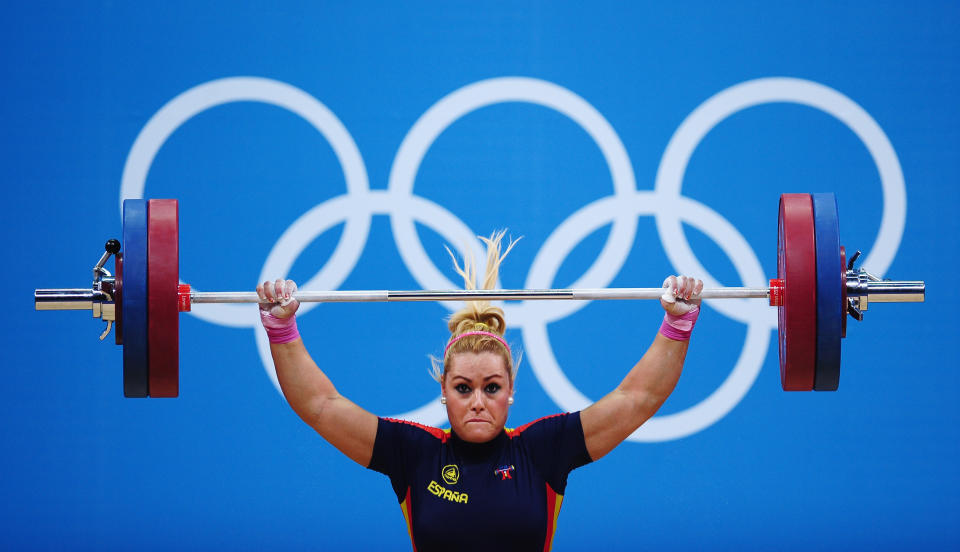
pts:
pixel 280 330
pixel 679 328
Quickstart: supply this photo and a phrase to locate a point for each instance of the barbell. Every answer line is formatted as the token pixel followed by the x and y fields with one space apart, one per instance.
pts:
pixel 815 289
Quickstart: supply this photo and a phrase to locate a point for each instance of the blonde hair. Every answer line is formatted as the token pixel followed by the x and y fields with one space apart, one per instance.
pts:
pixel 478 315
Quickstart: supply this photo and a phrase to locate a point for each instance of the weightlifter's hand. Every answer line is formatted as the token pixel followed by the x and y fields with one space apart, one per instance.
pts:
pixel 681 294
pixel 279 296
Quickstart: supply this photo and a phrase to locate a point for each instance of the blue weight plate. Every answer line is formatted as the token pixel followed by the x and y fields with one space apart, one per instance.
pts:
pixel 830 291
pixel 136 366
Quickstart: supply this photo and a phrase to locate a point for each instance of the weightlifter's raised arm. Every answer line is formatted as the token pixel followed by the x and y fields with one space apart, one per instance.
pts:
pixel 311 394
pixel 613 418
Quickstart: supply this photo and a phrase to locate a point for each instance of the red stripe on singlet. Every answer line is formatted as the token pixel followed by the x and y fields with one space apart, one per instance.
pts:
pixel 441 434
pixel 514 432
pixel 551 518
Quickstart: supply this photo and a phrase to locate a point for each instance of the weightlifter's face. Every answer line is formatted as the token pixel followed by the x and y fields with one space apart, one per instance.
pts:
pixel 477 387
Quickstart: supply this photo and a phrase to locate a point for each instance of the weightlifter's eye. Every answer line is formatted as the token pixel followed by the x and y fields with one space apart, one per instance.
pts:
pixel 462 388
pixel 492 388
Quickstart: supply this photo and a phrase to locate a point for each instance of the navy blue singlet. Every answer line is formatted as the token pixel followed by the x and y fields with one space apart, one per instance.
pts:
pixel 511 487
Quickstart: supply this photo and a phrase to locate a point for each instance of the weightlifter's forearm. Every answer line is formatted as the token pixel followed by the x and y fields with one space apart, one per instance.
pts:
pixel 655 376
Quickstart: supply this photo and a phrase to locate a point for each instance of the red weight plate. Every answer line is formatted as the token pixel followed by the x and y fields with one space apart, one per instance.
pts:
pixel 163 269
pixel 118 298
pixel 797 266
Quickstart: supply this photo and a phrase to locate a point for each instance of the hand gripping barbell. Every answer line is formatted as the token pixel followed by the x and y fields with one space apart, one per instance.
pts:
pixel 815 289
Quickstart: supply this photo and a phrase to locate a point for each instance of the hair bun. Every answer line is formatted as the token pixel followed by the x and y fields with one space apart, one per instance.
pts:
pixel 479 315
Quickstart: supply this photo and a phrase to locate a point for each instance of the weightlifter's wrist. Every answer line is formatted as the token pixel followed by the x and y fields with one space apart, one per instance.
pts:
pixel 280 330
pixel 679 327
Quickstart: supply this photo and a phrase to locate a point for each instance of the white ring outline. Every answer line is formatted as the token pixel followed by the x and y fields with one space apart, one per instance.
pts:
pixel 723 399
pixel 669 178
pixel 493 91
pixel 751 93
pixel 202 97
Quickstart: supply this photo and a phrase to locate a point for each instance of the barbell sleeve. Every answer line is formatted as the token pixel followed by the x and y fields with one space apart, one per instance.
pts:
pixel 67 299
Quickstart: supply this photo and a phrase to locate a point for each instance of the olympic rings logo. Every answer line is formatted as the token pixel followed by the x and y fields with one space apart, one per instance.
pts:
pixel 621 210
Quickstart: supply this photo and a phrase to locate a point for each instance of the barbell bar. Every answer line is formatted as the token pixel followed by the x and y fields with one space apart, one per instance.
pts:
pixel 877 291
pixel 815 289
pixel 374 296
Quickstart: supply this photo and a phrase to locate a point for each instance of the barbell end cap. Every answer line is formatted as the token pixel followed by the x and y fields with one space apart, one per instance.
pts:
pixel 777 291
pixel 183 297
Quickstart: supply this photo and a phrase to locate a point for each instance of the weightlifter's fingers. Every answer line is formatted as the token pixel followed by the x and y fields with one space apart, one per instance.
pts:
pixel 680 294
pixel 698 288
pixel 268 292
pixel 683 288
pixel 670 290
pixel 286 296
pixel 688 287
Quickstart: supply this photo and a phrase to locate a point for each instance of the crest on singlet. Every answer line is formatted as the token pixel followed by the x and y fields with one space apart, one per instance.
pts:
pixel 450 474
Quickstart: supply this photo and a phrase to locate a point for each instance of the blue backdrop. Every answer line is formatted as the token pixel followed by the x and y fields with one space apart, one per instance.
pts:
pixel 344 144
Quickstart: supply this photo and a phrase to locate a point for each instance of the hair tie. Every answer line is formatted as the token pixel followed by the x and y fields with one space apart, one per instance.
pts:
pixel 465 334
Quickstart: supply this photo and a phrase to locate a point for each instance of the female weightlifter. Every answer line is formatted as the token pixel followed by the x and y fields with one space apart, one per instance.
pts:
pixel 479 485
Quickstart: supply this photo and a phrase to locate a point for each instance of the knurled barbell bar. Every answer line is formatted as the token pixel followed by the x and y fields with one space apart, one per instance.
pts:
pixel 815 289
